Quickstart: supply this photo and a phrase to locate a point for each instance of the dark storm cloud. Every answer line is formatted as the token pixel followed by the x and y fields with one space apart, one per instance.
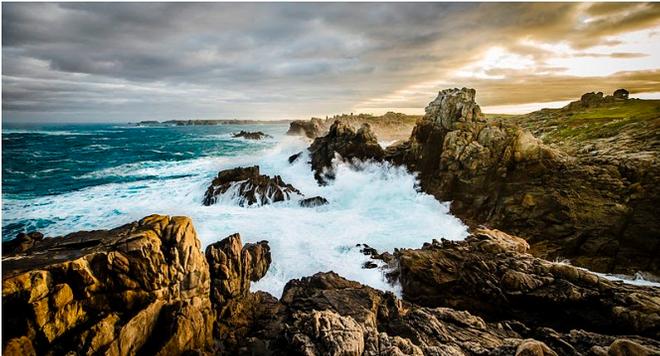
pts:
pixel 76 61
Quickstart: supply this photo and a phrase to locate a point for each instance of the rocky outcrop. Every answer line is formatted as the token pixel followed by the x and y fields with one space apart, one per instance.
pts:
pixel 313 202
pixel 138 289
pixel 496 173
pixel 493 275
pixel 146 288
pixel 391 126
pixel 257 135
pixel 344 141
pixel 21 243
pixel 308 128
pixel 592 100
pixel 294 157
pixel 233 266
pixel 326 314
pixel 248 187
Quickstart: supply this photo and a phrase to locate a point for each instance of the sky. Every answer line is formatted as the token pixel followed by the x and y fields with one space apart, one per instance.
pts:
pixel 101 62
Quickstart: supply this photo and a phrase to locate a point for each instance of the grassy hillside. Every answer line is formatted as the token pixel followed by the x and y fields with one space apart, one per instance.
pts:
pixel 635 122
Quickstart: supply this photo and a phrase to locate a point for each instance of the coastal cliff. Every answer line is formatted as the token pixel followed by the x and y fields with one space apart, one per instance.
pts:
pixel 596 210
pixel 146 288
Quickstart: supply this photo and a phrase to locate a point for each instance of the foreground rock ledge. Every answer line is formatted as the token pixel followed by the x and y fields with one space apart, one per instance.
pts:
pixel 140 288
pixel 146 288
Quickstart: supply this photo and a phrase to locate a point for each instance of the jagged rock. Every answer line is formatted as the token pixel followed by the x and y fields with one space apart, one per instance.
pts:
pixel 249 187
pixel 23 242
pixel 498 174
pixel 257 135
pixel 309 128
pixel 294 157
pixel 350 145
pixel 491 274
pixel 233 266
pixel 327 314
pixel 139 288
pixel 391 126
pixel 313 202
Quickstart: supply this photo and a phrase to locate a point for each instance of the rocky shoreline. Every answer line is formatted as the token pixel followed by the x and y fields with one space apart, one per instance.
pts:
pixel 147 288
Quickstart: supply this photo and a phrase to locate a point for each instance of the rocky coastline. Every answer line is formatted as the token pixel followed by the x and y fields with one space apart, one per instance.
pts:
pixel 146 288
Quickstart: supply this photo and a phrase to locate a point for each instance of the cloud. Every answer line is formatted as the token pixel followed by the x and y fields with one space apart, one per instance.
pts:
pixel 128 61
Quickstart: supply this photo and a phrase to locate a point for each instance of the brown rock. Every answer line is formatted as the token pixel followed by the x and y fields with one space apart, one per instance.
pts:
pixel 493 277
pixel 496 173
pixel 350 145
pixel 532 347
pixel 257 135
pixel 142 287
pixel 249 187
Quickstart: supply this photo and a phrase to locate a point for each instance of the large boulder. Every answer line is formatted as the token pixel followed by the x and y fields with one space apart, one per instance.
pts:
pixel 344 141
pixel 495 173
pixel 492 274
pixel 139 288
pixel 248 187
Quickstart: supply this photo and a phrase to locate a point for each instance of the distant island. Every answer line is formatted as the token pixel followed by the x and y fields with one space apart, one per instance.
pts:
pixel 210 122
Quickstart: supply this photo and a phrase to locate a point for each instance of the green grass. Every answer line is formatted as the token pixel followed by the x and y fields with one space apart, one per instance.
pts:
pixel 559 125
pixel 608 121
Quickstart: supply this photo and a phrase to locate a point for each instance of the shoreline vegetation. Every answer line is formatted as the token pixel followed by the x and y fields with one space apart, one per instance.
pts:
pixel 577 183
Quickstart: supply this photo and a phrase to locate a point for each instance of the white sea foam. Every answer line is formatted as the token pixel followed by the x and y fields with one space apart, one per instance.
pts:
pixel 377 205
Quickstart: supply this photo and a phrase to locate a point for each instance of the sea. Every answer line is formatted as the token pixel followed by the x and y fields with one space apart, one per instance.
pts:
pixel 63 178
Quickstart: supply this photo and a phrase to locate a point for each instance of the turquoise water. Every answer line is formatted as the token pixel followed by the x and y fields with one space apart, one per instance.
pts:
pixel 48 160
pixel 64 178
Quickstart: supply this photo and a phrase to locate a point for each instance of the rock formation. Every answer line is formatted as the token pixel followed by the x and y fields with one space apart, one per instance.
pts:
pixel 390 126
pixel 294 157
pixel 140 288
pixel 344 141
pixel 249 187
pixel 313 202
pixel 257 135
pixel 493 275
pixel 591 100
pixel 21 243
pixel 496 173
pixel 146 288
pixel 308 128
pixel 233 266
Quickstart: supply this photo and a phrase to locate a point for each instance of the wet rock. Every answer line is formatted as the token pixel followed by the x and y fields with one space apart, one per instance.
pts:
pixel 313 202
pixel 246 185
pixel 344 141
pixel 139 288
pixel 491 274
pixel 23 242
pixel 295 157
pixel 257 135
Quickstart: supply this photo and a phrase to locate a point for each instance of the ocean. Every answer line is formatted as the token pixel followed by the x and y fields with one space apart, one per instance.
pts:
pixel 59 179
